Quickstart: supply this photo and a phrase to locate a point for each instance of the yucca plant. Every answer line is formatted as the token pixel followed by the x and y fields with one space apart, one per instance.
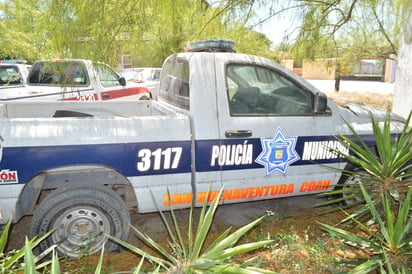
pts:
pixel 384 169
pixel 191 258
pixel 390 244
pixel 12 261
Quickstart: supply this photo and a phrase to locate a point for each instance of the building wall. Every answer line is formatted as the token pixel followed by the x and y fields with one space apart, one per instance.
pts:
pixel 287 63
pixel 322 69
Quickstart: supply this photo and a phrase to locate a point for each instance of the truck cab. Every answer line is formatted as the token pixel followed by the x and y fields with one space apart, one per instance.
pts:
pixel 259 129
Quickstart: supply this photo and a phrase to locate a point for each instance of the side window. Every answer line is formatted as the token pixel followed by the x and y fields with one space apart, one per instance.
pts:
pixel 255 90
pixel 59 73
pixel 108 77
pixel 174 83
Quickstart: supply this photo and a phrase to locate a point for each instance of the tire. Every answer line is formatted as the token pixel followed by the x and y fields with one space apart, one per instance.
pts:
pixel 82 216
pixel 349 185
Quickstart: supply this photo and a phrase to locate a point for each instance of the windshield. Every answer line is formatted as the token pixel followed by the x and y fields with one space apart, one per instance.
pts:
pixel 129 75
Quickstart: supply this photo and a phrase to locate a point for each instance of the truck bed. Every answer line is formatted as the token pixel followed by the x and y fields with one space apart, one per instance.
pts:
pixel 42 124
pixel 58 109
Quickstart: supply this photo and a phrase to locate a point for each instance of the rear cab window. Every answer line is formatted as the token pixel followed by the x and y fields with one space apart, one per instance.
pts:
pixel 174 83
pixel 59 73
pixel 258 90
pixel 10 75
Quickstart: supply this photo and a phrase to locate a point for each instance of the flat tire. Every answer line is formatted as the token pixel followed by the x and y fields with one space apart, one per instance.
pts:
pixel 82 217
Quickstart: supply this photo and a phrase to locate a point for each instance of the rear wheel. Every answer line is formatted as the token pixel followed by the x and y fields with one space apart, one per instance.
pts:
pixel 82 218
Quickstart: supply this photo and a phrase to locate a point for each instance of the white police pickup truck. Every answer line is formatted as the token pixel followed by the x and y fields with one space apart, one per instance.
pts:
pixel 75 80
pixel 236 121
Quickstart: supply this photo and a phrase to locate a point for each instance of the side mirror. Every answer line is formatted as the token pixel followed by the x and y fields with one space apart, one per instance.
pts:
pixel 122 81
pixel 321 105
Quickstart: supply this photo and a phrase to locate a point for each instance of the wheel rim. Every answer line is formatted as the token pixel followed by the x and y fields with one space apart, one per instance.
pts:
pixel 81 230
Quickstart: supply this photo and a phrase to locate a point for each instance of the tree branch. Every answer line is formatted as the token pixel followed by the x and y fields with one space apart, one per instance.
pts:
pixel 382 30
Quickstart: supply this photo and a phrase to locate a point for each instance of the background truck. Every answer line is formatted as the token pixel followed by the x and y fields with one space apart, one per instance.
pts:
pixel 13 75
pixel 78 80
pixel 236 121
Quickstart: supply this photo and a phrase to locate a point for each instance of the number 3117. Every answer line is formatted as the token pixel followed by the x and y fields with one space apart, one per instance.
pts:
pixel 160 158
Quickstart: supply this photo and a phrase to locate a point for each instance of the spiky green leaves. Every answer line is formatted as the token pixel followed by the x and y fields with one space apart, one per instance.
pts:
pixel 188 258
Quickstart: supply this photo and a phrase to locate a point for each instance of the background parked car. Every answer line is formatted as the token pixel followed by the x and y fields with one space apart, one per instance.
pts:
pixel 13 77
pixel 80 80
pixel 149 77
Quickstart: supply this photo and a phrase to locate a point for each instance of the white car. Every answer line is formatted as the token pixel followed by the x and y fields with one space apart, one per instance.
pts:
pixel 149 77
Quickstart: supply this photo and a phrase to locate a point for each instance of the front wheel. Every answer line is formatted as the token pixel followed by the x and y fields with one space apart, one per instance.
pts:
pixel 82 218
pixel 348 186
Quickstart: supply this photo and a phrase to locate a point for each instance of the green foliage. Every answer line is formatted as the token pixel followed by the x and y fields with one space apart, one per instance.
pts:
pixel 147 31
pixel 384 185
pixel 55 267
pixel 390 243
pixel 12 261
pixel 18 37
pixel 195 257
pixel 294 254
pixel 385 169
pixel 348 30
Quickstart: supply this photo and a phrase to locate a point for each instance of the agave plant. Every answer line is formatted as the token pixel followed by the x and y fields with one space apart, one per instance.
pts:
pixel 12 261
pixel 384 169
pixel 190 258
pixel 390 245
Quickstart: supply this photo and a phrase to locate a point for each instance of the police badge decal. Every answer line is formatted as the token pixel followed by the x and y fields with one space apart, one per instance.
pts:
pixel 277 153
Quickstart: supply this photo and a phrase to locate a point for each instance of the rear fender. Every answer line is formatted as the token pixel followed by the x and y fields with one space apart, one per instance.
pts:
pixel 46 182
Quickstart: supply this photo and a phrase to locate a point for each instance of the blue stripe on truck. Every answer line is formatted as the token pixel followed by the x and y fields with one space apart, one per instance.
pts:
pixel 153 158
pixel 233 154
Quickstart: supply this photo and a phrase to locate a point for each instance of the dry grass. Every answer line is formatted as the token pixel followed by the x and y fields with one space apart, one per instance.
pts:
pixel 381 101
pixel 299 246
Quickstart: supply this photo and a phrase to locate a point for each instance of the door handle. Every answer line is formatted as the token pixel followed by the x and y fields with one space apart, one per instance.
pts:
pixel 235 133
pixel 105 95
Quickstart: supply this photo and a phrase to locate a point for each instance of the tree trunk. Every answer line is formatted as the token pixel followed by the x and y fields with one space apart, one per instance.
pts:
pixel 337 77
pixel 402 98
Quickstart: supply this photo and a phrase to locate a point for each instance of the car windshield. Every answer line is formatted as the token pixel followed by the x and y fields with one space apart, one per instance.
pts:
pixel 150 74
pixel 128 75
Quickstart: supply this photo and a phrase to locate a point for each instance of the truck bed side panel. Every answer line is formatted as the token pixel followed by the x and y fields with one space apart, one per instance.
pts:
pixel 136 147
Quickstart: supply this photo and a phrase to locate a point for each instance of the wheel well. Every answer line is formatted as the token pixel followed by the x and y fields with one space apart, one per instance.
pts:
pixel 47 182
pixel 351 167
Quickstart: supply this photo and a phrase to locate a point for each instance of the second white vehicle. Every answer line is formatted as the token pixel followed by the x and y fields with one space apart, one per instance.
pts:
pixel 77 80
pixel 149 77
